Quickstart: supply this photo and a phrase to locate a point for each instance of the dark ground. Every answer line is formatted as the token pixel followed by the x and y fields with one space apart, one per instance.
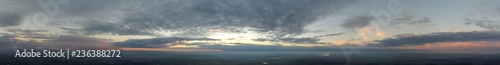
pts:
pixel 272 58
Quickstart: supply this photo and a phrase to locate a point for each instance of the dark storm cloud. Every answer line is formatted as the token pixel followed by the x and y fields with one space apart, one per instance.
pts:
pixel 357 21
pixel 10 19
pixel 278 17
pixel 155 42
pixel 413 39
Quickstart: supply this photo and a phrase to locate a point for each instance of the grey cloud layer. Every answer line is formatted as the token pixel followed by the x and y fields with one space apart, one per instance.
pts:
pixel 290 40
pixel 487 24
pixel 313 39
pixel 413 39
pixel 357 21
pixel 408 17
pixel 277 17
pixel 10 19
pixel 78 42
pixel 30 33
pixel 12 12
pixel 155 42
pixel 360 21
pixel 63 41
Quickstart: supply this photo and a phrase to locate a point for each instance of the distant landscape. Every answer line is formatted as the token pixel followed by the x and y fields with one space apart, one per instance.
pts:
pixel 272 58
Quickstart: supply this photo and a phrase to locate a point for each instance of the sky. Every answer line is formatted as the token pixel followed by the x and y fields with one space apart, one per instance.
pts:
pixel 249 25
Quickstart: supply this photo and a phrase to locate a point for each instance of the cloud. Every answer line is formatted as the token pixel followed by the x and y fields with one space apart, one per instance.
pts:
pixel 485 16
pixel 155 42
pixel 424 20
pixel 278 17
pixel 6 39
pixel 24 31
pixel 413 39
pixel 10 19
pixel 488 24
pixel 95 27
pixel 313 39
pixel 357 21
pixel 78 42
pixel 12 12
pixel 30 33
pixel 407 17
pixel 10 42
pixel 290 40
pixel 59 42
pixel 336 34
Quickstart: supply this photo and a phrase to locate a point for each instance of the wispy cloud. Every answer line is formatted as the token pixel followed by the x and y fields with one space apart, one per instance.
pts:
pixel 157 42
pixel 312 40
